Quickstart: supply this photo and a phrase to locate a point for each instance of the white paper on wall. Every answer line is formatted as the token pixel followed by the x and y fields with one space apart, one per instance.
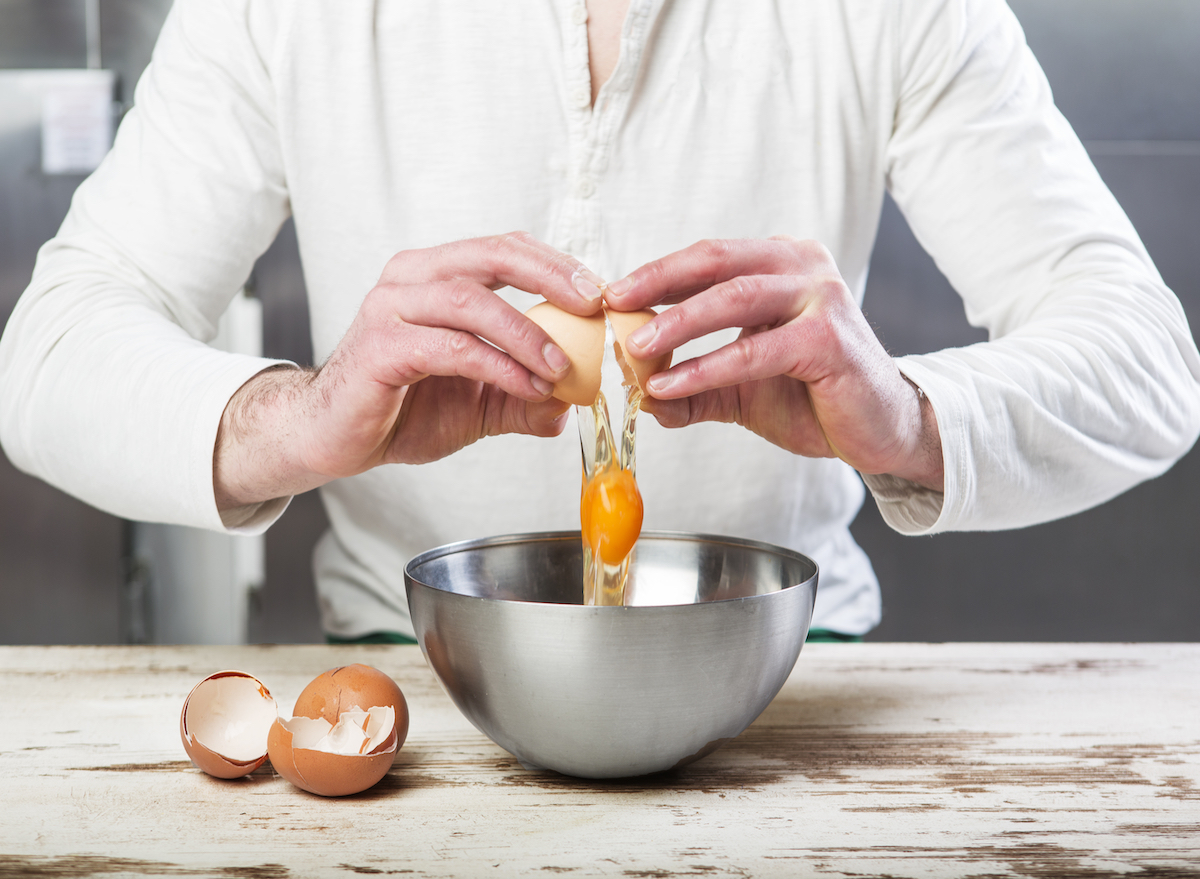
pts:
pixel 77 120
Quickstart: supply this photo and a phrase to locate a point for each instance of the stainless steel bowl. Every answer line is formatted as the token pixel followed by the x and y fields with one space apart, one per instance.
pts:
pixel 609 692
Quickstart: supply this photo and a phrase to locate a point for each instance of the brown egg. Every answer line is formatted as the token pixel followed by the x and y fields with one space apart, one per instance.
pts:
pixel 312 755
pixel 582 340
pixel 224 724
pixel 353 686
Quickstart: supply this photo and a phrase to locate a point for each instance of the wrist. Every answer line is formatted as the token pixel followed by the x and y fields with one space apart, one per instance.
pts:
pixel 925 465
pixel 255 456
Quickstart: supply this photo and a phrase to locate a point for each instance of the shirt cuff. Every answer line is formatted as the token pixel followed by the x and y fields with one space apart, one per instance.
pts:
pixel 254 519
pixel 906 506
pixel 911 508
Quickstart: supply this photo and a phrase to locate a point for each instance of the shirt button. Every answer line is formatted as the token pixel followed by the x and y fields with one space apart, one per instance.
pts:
pixel 579 14
pixel 581 95
pixel 585 187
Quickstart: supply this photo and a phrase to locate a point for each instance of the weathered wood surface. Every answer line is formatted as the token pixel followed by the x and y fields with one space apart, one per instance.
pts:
pixel 875 760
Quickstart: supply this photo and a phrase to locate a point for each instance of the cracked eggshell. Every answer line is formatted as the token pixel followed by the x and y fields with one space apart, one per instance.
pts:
pixel 582 340
pixel 291 744
pixel 225 723
pixel 353 686
pixel 624 323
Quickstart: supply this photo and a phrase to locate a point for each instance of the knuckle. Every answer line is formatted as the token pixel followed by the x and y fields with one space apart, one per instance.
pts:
pixel 833 294
pixel 826 330
pixel 744 359
pixel 516 238
pixel 398 263
pixel 502 248
pixel 459 295
pixel 525 333
pixel 498 250
pixel 804 255
pixel 714 249
pixel 654 273
pixel 376 298
pixel 495 246
pixel 460 346
pixel 563 263
pixel 734 292
pixel 817 254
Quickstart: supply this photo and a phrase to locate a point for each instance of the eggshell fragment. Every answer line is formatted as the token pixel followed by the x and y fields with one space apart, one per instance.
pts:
pixel 305 750
pixel 225 722
pixel 582 340
pixel 353 686
pixel 624 323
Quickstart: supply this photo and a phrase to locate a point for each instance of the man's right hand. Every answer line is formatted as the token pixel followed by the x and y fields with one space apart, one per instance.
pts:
pixel 434 361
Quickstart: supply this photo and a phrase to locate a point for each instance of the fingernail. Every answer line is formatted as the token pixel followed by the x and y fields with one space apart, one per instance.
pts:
pixel 540 385
pixel 587 284
pixel 660 382
pixel 642 336
pixel 555 358
pixel 621 287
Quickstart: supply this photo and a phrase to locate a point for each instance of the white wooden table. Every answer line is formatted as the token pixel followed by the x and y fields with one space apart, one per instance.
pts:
pixel 1040 760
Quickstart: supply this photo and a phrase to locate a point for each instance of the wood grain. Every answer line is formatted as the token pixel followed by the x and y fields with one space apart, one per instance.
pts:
pixel 985 760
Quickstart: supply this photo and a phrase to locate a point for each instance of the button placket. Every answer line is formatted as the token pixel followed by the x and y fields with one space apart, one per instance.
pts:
pixel 569 232
pixel 592 131
pixel 612 105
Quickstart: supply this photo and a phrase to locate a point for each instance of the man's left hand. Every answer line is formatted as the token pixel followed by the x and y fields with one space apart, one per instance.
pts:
pixel 806 372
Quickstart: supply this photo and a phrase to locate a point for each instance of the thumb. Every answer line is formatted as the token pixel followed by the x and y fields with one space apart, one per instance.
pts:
pixel 535 419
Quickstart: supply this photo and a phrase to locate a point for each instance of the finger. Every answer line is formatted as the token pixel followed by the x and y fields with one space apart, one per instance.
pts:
pixel 535 419
pixel 466 305
pixel 780 411
pixel 425 351
pixel 750 358
pixel 515 259
pixel 720 404
pixel 686 272
pixel 669 413
pixel 745 301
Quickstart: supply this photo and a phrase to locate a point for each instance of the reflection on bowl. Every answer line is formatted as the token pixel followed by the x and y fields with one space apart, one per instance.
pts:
pixel 714 627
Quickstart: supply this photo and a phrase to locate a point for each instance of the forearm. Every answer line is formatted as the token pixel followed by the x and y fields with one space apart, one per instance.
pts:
pixel 109 401
pixel 1065 414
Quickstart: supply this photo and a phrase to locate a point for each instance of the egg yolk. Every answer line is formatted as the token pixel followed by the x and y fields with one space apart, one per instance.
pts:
pixel 610 513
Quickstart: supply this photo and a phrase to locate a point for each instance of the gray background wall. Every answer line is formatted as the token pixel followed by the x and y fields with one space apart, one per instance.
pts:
pixel 1124 72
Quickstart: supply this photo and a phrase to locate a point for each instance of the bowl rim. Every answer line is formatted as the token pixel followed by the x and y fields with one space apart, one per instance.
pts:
pixel 545 536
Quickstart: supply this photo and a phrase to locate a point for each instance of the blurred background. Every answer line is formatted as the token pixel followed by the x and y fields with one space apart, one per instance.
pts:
pixel 1123 71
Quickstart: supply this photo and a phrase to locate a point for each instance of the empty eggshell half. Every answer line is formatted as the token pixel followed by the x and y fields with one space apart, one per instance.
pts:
pixel 582 340
pixel 225 722
pixel 335 759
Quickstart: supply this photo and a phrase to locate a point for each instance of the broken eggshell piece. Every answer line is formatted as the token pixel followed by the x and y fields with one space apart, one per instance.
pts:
pixel 355 686
pixel 335 760
pixel 636 371
pixel 224 724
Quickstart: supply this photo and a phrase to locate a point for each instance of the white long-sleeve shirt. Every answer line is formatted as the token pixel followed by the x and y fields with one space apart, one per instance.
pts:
pixel 382 126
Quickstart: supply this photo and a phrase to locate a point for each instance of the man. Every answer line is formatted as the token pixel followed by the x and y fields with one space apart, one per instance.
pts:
pixel 617 135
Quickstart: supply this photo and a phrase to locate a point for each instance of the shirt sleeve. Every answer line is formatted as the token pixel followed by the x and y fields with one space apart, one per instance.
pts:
pixel 107 389
pixel 1090 380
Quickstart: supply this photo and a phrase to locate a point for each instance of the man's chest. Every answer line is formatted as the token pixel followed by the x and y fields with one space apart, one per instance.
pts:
pixel 427 122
